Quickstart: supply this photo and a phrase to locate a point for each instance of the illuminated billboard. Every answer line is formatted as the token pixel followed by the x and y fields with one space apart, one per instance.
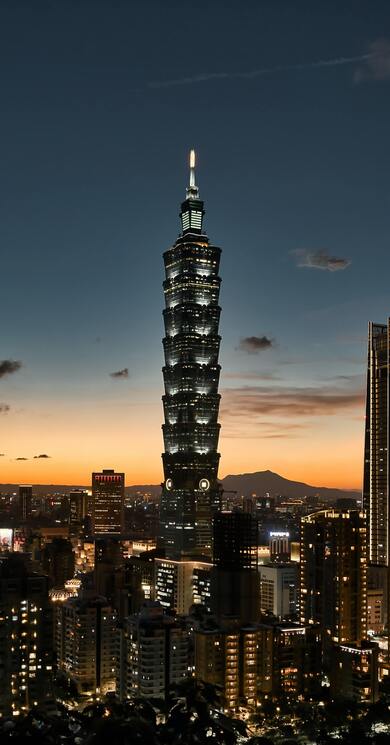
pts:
pixel 6 539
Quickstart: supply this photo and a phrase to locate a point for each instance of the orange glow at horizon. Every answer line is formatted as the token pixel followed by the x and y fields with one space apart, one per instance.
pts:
pixel 84 437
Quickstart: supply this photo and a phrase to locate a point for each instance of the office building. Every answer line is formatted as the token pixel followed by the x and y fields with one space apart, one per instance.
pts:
pixel 235 583
pixel 78 511
pixel 179 584
pixel 107 505
pixel 26 637
pixel 25 502
pixel 153 653
pixel 190 491
pixel 333 574
pixel 279 545
pixel 85 634
pixel 279 590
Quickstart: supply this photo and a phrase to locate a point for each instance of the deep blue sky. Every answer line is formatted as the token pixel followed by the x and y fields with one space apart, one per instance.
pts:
pixel 93 166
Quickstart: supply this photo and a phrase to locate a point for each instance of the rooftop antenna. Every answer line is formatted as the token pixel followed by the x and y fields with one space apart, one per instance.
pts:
pixel 192 189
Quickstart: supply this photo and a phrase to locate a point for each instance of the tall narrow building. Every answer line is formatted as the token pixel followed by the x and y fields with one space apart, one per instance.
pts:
pixel 376 451
pixel 376 464
pixel 191 375
pixel 25 499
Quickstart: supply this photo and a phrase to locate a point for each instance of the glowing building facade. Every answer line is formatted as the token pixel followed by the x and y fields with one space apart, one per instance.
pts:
pixel 191 376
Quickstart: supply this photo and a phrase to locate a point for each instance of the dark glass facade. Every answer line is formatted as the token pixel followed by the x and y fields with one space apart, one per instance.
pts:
pixel 376 467
pixel 191 375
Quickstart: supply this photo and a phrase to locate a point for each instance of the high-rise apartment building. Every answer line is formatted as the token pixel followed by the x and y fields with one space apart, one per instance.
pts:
pixel 26 637
pixel 25 501
pixel 333 574
pixel 289 658
pixel 354 672
pixel 107 505
pixel 191 375
pixel 228 660
pixel 85 635
pixel 153 653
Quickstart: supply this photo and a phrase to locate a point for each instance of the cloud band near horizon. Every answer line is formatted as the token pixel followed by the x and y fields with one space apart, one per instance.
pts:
pixel 262 71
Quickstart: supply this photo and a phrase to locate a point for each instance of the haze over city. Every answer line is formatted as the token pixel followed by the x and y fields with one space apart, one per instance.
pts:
pixel 289 116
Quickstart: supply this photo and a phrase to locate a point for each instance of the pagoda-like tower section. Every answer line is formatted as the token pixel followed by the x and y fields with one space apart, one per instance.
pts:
pixel 191 376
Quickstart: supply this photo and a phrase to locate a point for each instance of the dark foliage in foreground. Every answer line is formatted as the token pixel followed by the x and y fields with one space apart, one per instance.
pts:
pixel 191 717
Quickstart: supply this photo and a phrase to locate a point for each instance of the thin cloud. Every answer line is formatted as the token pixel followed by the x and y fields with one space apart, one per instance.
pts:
pixel 270 375
pixel 319 260
pixel 255 344
pixel 120 373
pixel 8 367
pixel 2 455
pixel 260 429
pixel 21 458
pixel 205 77
pixel 290 402
pixel 377 65
pixel 43 455
pixel 4 408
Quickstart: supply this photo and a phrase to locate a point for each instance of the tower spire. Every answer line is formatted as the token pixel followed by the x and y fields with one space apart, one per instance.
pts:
pixel 192 189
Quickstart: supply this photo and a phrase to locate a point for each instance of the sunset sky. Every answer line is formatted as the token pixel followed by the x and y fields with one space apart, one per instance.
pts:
pixel 289 111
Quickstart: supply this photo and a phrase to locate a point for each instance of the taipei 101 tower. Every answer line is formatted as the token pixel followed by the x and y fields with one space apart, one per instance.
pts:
pixel 191 492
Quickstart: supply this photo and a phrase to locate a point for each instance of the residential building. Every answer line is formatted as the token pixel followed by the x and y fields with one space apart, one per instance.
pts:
pixel 26 637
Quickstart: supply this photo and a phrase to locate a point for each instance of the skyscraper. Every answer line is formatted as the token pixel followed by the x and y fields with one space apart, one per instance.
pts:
pixel 191 375
pixel 376 451
pixel 376 462
pixel 333 574
pixel 108 494
pixel 25 499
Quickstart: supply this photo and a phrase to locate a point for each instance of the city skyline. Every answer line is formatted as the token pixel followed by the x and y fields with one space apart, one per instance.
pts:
pixel 87 207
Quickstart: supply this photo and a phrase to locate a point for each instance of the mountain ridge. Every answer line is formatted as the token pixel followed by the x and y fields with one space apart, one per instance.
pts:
pixel 258 482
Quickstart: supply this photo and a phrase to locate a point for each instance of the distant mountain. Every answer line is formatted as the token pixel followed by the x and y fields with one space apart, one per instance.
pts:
pixel 262 482
pixel 258 483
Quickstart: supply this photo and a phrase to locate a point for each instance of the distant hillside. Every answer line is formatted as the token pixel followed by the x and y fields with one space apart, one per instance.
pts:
pixel 262 482
pixel 258 483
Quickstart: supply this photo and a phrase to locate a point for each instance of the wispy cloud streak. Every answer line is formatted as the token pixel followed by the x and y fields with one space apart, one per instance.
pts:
pixel 204 77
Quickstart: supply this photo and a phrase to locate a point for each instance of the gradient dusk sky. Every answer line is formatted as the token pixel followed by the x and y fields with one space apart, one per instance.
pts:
pixel 288 106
